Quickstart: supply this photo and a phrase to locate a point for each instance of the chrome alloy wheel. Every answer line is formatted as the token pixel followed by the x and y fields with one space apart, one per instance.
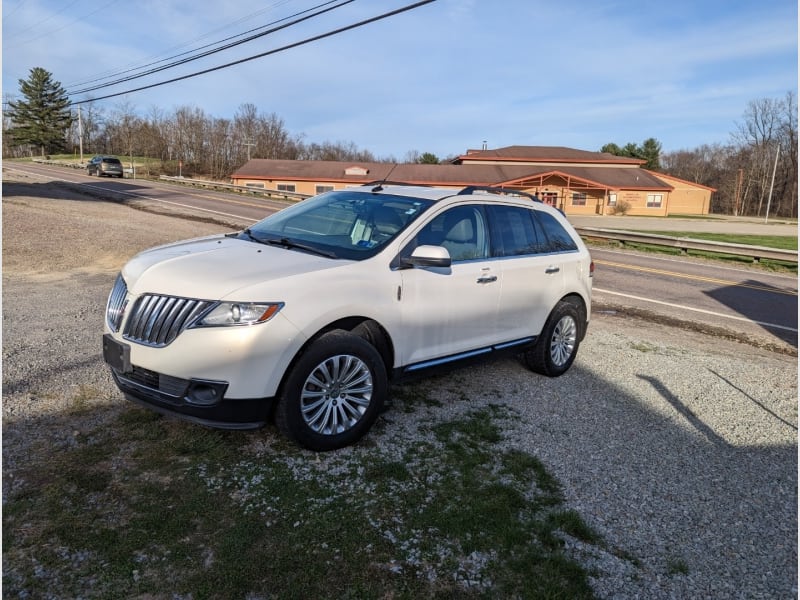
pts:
pixel 336 394
pixel 562 344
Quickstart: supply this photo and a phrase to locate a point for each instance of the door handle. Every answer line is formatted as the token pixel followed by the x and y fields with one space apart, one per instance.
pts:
pixel 486 278
pixel 552 269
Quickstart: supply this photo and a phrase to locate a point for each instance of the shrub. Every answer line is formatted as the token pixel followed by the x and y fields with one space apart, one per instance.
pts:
pixel 621 208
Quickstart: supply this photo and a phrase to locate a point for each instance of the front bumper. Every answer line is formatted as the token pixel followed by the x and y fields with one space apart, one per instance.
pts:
pixel 195 400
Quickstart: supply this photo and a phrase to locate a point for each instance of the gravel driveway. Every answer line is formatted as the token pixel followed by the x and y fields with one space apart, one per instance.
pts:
pixel 680 449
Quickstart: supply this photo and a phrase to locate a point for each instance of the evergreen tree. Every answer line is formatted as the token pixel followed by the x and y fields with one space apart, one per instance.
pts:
pixel 43 117
pixel 650 151
pixel 612 148
pixel 428 158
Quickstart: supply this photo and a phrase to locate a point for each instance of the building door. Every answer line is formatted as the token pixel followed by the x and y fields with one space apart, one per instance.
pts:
pixel 550 198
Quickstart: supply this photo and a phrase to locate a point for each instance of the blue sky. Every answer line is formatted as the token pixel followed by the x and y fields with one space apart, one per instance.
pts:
pixel 441 78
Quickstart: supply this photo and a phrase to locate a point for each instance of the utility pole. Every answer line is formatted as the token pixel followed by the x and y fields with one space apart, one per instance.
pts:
pixel 80 132
pixel 738 196
pixel 772 183
pixel 248 144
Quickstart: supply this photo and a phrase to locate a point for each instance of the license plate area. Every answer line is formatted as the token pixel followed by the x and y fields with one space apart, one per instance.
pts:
pixel 116 354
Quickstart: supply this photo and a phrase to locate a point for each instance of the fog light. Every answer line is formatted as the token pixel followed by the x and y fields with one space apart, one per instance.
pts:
pixel 205 393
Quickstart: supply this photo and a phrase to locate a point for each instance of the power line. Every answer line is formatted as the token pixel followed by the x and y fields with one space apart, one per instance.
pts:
pixel 132 66
pixel 220 49
pixel 39 23
pixel 13 10
pixel 104 6
pixel 268 53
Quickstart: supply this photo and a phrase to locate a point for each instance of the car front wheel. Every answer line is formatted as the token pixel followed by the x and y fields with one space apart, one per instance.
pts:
pixel 334 392
pixel 558 343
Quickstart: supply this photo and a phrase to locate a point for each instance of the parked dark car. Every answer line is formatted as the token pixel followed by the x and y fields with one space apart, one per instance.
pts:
pixel 104 165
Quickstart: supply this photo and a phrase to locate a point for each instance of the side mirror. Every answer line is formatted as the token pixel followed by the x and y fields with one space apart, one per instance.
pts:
pixel 428 256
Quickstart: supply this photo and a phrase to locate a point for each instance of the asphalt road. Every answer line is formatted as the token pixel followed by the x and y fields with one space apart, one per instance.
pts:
pixel 746 303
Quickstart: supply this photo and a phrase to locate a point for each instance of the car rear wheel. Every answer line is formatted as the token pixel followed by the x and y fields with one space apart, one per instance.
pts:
pixel 334 392
pixel 558 343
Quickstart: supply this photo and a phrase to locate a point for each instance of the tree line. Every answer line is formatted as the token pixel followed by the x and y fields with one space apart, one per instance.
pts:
pixel 756 168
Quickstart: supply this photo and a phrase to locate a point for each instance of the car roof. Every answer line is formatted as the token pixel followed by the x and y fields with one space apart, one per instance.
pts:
pixel 438 193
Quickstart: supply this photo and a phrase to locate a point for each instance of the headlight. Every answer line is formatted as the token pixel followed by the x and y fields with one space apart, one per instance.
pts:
pixel 226 314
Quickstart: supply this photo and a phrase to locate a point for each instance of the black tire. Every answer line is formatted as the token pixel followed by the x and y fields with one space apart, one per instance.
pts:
pixel 557 346
pixel 333 393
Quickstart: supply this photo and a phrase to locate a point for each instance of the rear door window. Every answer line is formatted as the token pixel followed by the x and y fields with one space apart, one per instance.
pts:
pixel 558 240
pixel 515 232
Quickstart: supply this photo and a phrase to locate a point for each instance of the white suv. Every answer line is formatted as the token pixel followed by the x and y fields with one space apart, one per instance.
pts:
pixel 307 315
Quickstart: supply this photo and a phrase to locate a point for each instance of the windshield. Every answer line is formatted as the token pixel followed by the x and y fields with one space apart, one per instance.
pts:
pixel 342 224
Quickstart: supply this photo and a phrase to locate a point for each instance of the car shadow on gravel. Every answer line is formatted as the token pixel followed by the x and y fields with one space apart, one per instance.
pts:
pixel 670 470
pixel 687 469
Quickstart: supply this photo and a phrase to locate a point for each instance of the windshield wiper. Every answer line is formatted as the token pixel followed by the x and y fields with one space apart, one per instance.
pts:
pixel 249 234
pixel 287 243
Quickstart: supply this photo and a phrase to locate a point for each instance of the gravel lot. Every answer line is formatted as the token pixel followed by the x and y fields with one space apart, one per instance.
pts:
pixel 680 449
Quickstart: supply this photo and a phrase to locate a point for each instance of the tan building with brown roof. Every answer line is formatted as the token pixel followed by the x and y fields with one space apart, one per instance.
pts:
pixel 576 181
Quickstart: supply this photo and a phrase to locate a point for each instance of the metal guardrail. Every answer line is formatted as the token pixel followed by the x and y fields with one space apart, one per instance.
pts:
pixel 756 253
pixel 59 163
pixel 242 189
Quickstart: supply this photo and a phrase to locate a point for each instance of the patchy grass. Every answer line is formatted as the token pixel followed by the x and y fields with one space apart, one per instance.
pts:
pixel 644 347
pixel 766 264
pixel 150 507
pixel 677 566
pixel 782 242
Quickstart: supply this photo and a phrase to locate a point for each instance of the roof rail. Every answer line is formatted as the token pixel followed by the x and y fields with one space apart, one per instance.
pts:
pixel 496 190
pixel 381 182
pixel 384 182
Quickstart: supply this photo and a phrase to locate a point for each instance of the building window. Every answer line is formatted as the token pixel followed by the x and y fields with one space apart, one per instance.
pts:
pixel 286 187
pixel 579 199
pixel 654 200
pixel 612 199
pixel 321 189
pixel 255 185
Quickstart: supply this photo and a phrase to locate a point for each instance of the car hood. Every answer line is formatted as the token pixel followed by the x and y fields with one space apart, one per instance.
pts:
pixel 216 267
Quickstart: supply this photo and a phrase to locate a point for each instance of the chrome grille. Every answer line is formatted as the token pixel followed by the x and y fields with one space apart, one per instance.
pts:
pixel 157 320
pixel 115 307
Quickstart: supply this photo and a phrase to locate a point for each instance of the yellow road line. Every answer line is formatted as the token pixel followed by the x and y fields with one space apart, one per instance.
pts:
pixel 762 288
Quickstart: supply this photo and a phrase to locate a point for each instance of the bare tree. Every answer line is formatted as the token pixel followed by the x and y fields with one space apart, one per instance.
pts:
pixel 786 189
pixel 741 172
pixel 758 133
pixel 93 124
pixel 127 126
pixel 188 133
pixel 220 155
